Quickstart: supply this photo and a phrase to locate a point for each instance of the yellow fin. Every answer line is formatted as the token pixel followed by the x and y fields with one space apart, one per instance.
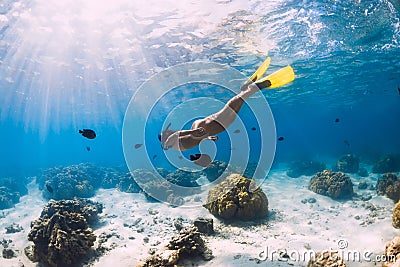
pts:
pixel 261 70
pixel 277 79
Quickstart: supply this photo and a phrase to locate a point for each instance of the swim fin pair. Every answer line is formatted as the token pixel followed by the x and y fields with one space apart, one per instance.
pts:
pixel 274 80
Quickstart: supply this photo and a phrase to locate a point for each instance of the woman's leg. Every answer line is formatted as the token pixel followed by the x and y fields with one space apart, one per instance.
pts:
pixel 221 120
pixel 196 133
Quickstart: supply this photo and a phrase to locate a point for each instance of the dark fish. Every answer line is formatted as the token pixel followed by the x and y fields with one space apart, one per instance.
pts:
pixel 88 148
pixel 88 133
pixel 202 160
pixel 337 120
pixel 398 89
pixel 155 156
pixel 49 188
pixel 138 145
pixel 253 128
pixel 281 138
pixel 237 131
pixel 159 137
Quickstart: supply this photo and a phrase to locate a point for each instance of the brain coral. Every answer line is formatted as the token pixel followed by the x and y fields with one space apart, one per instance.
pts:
pixel 333 184
pixel 238 198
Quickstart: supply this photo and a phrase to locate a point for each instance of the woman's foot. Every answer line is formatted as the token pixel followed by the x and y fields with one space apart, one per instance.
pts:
pixel 249 88
pixel 245 86
pixel 253 88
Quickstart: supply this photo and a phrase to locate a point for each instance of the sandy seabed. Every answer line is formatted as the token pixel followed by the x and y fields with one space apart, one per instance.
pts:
pixel 300 222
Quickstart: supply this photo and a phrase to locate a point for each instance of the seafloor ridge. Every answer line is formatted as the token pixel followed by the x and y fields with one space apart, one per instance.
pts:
pixel 308 214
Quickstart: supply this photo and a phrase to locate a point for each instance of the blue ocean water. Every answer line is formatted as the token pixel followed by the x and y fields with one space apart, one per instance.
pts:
pixel 69 65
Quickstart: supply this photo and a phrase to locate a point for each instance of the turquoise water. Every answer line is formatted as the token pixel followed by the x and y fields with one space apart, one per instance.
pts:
pixel 64 67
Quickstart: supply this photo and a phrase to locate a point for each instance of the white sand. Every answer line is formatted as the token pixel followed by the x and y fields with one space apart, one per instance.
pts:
pixel 136 226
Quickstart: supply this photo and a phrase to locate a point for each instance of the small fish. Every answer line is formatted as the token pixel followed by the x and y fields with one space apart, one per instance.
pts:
pixel 398 89
pixel 202 160
pixel 88 148
pixel 88 133
pixel 253 128
pixel 281 138
pixel 337 120
pixel 237 131
pixel 346 142
pixel 49 188
pixel 155 156
pixel 138 145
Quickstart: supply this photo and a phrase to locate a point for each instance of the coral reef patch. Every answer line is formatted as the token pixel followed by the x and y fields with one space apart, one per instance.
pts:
pixel 184 178
pixel 215 170
pixel 61 235
pixel 10 191
pixel 188 244
pixel 128 184
pixel 8 198
pixel 237 198
pixel 82 181
pixel 162 189
pixel 204 225
pixel 333 184
pixel 8 253
pixel 79 180
pixel 348 163
pixel 389 185
pixel 388 163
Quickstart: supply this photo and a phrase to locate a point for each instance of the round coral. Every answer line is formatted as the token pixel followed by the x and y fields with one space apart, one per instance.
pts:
pixel 237 198
pixel 333 184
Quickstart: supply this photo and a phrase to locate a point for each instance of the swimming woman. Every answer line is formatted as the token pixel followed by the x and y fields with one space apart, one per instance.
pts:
pixel 216 123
